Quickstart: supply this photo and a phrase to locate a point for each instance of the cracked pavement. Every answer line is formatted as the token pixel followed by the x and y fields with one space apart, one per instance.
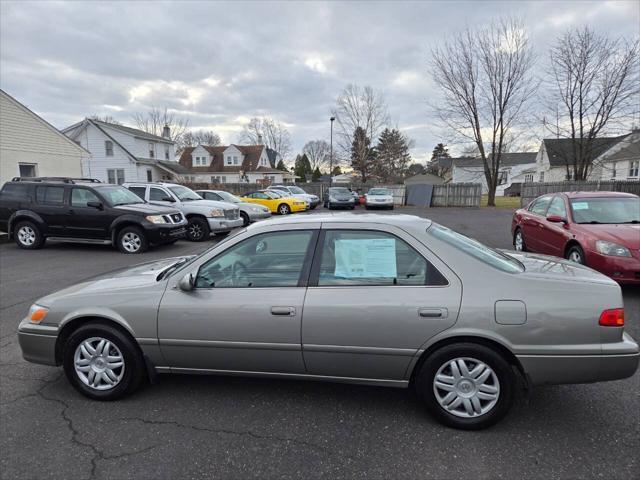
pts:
pixel 227 427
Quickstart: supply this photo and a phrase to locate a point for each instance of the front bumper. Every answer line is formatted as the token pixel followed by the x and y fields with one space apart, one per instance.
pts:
pixel 38 342
pixel 341 203
pixel 222 224
pixel 299 208
pixel 620 269
pixel 617 361
pixel 166 233
pixel 379 204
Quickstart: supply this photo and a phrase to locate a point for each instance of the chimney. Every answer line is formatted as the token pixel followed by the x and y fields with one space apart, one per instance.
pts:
pixel 259 139
pixel 166 132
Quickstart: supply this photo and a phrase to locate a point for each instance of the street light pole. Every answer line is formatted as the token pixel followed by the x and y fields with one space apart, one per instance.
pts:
pixel 331 154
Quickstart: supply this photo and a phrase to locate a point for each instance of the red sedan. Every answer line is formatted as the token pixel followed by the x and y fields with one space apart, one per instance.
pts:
pixel 597 229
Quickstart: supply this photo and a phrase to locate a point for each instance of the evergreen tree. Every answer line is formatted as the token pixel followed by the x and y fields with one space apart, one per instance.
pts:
pixel 316 175
pixel 440 150
pixel 302 168
pixel 281 166
pixel 336 170
pixel 392 155
pixel 362 155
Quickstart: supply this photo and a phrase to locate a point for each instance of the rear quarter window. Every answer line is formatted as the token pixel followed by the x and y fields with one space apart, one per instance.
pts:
pixel 15 192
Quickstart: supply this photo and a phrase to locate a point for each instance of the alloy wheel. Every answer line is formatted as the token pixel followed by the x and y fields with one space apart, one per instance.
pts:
pixel 131 242
pixel 195 231
pixel 519 242
pixel 27 236
pixel 466 387
pixel 575 256
pixel 99 363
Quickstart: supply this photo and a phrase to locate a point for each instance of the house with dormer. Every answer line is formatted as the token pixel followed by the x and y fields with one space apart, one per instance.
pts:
pixel 123 154
pixel 232 164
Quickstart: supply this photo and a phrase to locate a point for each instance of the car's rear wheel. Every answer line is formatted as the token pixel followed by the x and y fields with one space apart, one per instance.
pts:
pixel 518 241
pixel 284 209
pixel 102 363
pixel 245 219
pixel 132 240
pixel 466 386
pixel 28 236
pixel 198 229
pixel 576 254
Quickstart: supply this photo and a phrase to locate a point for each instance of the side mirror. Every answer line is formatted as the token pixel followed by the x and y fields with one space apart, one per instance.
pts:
pixel 556 219
pixel 187 282
pixel 97 205
pixel 168 199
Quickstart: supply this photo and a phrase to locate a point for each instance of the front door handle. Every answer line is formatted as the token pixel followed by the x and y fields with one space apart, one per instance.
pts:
pixel 433 312
pixel 284 311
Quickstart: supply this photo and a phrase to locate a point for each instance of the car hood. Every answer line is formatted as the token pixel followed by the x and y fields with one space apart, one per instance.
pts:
pixel 627 235
pixel 209 204
pixel 546 266
pixel 341 196
pixel 251 205
pixel 147 209
pixel 120 279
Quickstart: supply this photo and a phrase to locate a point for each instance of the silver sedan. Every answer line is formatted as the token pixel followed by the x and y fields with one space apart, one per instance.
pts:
pixel 391 301
pixel 250 212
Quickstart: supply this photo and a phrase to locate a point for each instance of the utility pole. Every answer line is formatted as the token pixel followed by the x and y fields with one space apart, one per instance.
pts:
pixel 331 154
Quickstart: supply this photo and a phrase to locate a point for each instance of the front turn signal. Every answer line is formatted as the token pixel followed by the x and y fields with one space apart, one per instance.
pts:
pixel 37 313
pixel 612 318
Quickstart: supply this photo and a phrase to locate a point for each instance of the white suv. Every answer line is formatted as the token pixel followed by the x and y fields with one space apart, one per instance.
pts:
pixel 204 216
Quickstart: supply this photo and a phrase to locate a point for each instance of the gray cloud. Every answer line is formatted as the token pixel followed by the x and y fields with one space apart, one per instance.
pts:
pixel 221 63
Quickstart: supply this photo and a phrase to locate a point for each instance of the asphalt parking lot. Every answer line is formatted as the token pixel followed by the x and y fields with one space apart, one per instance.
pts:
pixel 224 427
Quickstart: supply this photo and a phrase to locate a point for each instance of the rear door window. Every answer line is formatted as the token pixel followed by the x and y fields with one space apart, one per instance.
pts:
pixel 157 194
pixel 50 195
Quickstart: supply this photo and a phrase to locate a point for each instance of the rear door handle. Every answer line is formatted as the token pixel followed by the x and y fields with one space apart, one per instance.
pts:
pixel 290 311
pixel 433 312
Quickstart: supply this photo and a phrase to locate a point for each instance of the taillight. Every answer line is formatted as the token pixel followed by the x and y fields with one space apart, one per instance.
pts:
pixel 612 318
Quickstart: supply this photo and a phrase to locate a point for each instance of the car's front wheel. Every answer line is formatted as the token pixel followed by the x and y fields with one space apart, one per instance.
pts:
pixel 518 241
pixel 28 236
pixel 132 240
pixel 198 229
pixel 284 209
pixel 101 362
pixel 466 386
pixel 576 254
pixel 245 219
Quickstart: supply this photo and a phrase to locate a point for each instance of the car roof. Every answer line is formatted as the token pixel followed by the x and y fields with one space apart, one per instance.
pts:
pixel 403 221
pixel 597 194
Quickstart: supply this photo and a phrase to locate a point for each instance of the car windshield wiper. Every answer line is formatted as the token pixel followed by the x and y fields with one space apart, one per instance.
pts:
pixel 632 221
pixel 590 222
pixel 127 203
pixel 171 268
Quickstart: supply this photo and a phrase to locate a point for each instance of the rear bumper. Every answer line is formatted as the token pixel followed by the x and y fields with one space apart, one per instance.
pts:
pixel 223 225
pixel 38 343
pixel 618 361
pixel 620 269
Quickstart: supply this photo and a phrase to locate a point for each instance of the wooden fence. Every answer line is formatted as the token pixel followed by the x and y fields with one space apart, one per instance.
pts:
pixel 456 195
pixel 531 191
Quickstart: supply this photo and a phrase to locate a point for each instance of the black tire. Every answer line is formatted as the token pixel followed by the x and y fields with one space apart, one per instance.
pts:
pixel 132 372
pixel 245 219
pixel 515 240
pixel 198 229
pixel 352 207
pixel 470 351
pixel 132 240
pixel 314 207
pixel 284 209
pixel 367 207
pixel 576 254
pixel 28 236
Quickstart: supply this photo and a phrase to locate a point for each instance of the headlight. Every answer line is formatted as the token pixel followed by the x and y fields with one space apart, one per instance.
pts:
pixel 612 249
pixel 155 219
pixel 217 212
pixel 332 199
pixel 37 313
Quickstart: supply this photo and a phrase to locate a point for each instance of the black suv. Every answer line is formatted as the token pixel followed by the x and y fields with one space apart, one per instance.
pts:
pixel 86 211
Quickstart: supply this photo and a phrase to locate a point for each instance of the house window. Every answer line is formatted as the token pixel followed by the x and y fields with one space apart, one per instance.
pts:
pixel 634 166
pixel 568 177
pixel 115 176
pixel 229 160
pixel 541 177
pixel 108 148
pixel 235 160
pixel 502 177
pixel 613 170
pixel 27 169
pixel 152 152
pixel 166 153
pixel 528 178
pixel 224 179
pixel 149 175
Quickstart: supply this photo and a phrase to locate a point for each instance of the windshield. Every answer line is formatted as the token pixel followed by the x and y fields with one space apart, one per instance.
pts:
pixel 379 191
pixel 606 210
pixel 185 194
pixel 477 250
pixel 342 190
pixel 297 190
pixel 229 197
pixel 116 195
pixel 274 194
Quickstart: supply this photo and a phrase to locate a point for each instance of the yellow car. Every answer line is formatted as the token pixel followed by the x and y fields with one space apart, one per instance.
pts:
pixel 275 202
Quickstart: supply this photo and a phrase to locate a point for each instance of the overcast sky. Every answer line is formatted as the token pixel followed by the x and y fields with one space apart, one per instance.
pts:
pixel 221 63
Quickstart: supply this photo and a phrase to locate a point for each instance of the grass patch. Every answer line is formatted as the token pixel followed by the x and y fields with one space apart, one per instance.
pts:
pixel 502 202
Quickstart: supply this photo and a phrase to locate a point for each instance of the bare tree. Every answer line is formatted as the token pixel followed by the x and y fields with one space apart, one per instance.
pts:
pixel 318 152
pixel 193 138
pixel 155 120
pixel 269 132
pixel 105 118
pixel 486 81
pixel 358 107
pixel 594 89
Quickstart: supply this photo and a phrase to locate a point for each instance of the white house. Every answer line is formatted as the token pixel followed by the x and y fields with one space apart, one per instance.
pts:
pixel 232 164
pixel 614 158
pixel 31 147
pixel 123 154
pixel 517 167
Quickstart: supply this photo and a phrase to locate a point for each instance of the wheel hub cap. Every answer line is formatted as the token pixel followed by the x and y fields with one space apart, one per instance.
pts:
pixel 27 236
pixel 466 387
pixel 99 363
pixel 131 242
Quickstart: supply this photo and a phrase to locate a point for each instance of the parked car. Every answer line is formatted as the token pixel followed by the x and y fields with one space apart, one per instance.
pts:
pixel 294 191
pixel 33 210
pixel 378 198
pixel 275 202
pixel 597 229
pixel 338 197
pixel 388 300
pixel 249 212
pixel 204 216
